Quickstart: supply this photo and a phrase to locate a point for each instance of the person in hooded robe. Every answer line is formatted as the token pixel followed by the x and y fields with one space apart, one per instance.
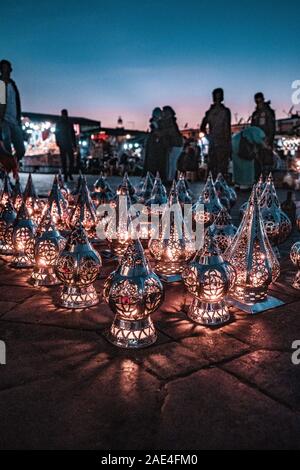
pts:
pixel 155 146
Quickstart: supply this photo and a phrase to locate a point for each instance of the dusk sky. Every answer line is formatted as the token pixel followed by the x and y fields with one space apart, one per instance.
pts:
pixel 105 59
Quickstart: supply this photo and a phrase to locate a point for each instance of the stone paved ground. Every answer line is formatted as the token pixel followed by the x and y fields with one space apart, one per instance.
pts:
pixel 65 387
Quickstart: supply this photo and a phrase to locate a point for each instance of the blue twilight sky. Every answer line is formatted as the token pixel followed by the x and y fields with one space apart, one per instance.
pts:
pixel 105 59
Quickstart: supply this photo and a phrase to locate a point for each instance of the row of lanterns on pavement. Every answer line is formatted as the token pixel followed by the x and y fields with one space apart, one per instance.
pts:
pixel 234 265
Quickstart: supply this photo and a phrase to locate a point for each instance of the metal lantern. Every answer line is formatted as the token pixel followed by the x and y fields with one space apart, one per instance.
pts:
pixel 210 202
pixel 131 190
pixel 227 190
pixel 31 200
pixel 63 188
pixel 295 257
pixel 7 218
pixel 254 260
pixel 209 278
pixel 277 224
pixel 17 195
pixel 58 207
pixel 103 193
pixel 23 233
pixel 133 292
pixel 75 193
pixel 77 267
pixel 158 196
pixel 223 230
pixel 117 230
pixel 47 246
pixel 173 246
pixel 260 186
pixel 6 192
pixel 146 190
pixel 184 195
pixel 85 211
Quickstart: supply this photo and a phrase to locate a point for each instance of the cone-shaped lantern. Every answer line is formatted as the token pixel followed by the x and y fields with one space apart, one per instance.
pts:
pixel 173 245
pixel 63 188
pixel 17 195
pixel 277 224
pixel 223 230
pixel 48 244
pixel 6 192
pixel 146 190
pixel 184 196
pixel 77 267
pixel 158 195
pixel 75 193
pixel 85 211
pixel 259 190
pixel 210 202
pixel 126 182
pixel 228 191
pixel 58 207
pixel 7 218
pixel 103 193
pixel 254 260
pixel 295 257
pixel 133 292
pixel 209 278
pixel 31 200
pixel 22 236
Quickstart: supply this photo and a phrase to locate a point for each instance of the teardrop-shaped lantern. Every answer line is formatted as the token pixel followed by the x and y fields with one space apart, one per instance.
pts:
pixel 31 200
pixel 209 202
pixel 184 195
pixel 103 193
pixel 23 236
pixel 85 211
pixel 17 195
pixel 7 218
pixel 58 207
pixel 6 192
pixel 223 230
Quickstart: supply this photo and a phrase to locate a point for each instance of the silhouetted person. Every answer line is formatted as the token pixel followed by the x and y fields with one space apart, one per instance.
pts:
pixel 218 120
pixel 10 112
pixel 66 141
pixel 264 118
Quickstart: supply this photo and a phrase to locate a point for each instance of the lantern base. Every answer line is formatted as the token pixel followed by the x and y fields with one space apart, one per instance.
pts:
pixel 296 283
pixel 43 277
pixel 6 251
pixel 21 261
pixel 78 297
pixel 258 307
pixel 132 334
pixel 169 278
pixel 209 314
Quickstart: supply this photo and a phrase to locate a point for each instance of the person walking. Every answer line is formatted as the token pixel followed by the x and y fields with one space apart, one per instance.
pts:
pixel 10 112
pixel 264 118
pixel 218 121
pixel 66 141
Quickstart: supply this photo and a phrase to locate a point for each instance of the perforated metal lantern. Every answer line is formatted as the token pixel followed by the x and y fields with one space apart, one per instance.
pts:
pixel 103 193
pixel 184 195
pixel 173 245
pixel 131 189
pixel 63 188
pixel 85 211
pixel 47 246
pixel 260 186
pixel 252 256
pixel 7 218
pixel 6 192
pixel 133 292
pixel 229 191
pixel 158 196
pixel 77 267
pixel 209 278
pixel 277 224
pixel 295 257
pixel 146 190
pixel 23 233
pixel 17 195
pixel 31 200
pixel 223 230
pixel 210 202
pixel 58 207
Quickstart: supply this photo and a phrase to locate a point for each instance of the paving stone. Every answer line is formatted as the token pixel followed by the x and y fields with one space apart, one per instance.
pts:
pixel 213 410
pixel 271 371
pixel 6 306
pixel 116 407
pixel 15 293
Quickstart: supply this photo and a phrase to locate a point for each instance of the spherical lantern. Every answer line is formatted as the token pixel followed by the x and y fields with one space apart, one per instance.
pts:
pixel 6 192
pixel 17 195
pixel 133 292
pixel 209 201
pixel 209 278
pixel 31 200
pixel 223 230
pixel 7 218
pixel 103 193
pixel 77 267
pixel 172 247
pixel 23 233
pixel 254 260
pixel 295 257
pixel 47 246
pixel 85 211
pixel 277 224
pixel 58 207
pixel 184 196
